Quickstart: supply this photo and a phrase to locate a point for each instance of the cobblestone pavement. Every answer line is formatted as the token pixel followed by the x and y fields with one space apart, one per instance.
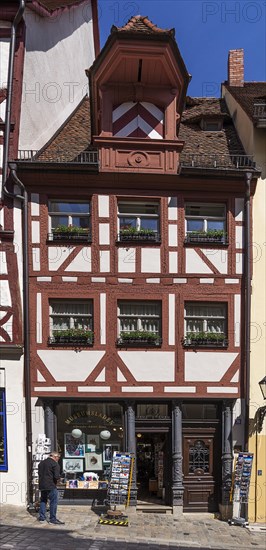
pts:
pixel 146 531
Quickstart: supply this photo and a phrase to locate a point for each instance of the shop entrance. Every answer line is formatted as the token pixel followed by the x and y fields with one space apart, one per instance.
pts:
pixel 153 477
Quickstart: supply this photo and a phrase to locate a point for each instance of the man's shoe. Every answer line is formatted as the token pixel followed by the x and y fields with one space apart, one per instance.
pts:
pixel 41 520
pixel 57 522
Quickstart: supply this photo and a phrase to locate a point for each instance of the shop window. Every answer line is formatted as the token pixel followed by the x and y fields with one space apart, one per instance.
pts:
pixel 71 322
pixel 139 324
pixel 3 437
pixel 205 223
pixel 88 434
pixel 205 324
pixel 138 221
pixel 69 221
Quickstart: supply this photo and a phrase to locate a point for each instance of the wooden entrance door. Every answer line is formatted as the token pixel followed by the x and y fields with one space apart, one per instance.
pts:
pixel 200 470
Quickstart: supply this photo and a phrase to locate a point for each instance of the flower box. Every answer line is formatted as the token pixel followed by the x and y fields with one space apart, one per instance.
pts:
pixel 139 339
pixel 213 237
pixel 201 341
pixel 78 339
pixel 80 236
pixel 138 236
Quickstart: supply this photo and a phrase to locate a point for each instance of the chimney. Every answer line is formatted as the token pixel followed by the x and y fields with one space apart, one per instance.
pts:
pixel 236 67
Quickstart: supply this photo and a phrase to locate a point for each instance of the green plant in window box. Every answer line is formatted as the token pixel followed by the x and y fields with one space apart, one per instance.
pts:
pixel 73 334
pixel 203 338
pixel 141 335
pixel 134 231
pixel 73 229
pixel 211 235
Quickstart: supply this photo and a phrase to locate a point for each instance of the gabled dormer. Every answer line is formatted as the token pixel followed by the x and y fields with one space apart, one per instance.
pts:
pixel 137 87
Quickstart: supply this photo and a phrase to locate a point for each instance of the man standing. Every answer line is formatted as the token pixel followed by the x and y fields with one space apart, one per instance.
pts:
pixel 49 473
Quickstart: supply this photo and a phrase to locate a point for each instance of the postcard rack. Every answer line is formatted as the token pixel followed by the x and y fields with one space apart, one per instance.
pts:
pixel 120 479
pixel 242 476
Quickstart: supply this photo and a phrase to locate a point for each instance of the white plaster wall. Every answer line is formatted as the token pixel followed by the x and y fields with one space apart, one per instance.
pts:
pixel 207 366
pixel 82 262
pixel 57 255
pixel 104 261
pixel 68 366
pixel 58 50
pixel 13 482
pixel 126 260
pixel 103 206
pixel 5 293
pixel 150 260
pixel 4 57
pixel 104 233
pixel 242 122
pixel 218 258
pixel 150 366
pixel 194 264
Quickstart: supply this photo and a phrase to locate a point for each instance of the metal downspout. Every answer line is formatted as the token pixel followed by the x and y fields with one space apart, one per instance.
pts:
pixel 247 271
pixel 15 23
pixel 23 197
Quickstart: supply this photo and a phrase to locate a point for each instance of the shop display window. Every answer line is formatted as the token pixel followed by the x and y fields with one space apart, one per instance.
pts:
pixel 88 435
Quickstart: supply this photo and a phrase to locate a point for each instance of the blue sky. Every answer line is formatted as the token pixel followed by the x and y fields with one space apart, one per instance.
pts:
pixel 205 32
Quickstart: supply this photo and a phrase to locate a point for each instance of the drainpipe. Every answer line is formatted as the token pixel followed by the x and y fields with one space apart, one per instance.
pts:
pixel 15 23
pixel 247 272
pixel 23 197
pixel 247 279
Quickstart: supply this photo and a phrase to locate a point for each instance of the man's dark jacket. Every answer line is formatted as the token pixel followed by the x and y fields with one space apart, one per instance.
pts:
pixel 49 473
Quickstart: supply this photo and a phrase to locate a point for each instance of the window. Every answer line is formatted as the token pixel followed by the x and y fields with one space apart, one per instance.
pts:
pixel 138 220
pixel 69 220
pixel 205 324
pixel 139 323
pixel 212 125
pixel 205 222
pixel 3 438
pixel 71 322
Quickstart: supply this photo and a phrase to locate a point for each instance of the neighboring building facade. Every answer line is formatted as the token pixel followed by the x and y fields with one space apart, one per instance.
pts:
pixel 246 102
pixel 136 275
pixel 37 93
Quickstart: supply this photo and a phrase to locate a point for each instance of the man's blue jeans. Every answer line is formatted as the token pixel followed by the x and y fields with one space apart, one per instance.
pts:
pixel 52 496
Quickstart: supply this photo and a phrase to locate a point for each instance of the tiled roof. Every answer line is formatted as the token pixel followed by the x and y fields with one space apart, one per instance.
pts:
pixel 54 4
pixel 74 137
pixel 247 94
pixel 199 107
pixel 141 24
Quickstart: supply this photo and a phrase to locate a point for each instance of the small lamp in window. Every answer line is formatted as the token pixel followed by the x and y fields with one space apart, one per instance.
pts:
pixel 262 385
pixel 76 433
pixel 105 434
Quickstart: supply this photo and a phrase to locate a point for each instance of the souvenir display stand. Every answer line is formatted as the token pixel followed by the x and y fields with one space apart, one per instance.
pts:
pixel 119 488
pixel 42 451
pixel 242 477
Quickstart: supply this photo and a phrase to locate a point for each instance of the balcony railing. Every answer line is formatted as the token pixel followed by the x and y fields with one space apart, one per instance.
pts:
pixel 233 162
pixel 57 155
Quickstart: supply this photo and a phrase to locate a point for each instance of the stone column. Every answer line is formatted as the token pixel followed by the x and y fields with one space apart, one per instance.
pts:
pixel 131 446
pixel 49 423
pixel 177 458
pixel 227 454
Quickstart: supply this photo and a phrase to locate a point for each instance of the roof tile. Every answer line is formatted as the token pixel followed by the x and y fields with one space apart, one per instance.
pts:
pixel 247 94
pixel 142 24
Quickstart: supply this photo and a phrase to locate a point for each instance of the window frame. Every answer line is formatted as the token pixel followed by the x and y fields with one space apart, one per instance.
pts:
pixel 4 466
pixel 140 234
pixel 206 337
pixel 202 235
pixel 137 341
pixel 83 235
pixel 82 340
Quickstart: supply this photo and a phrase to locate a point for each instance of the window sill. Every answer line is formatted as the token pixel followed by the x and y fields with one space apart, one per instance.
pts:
pixel 139 343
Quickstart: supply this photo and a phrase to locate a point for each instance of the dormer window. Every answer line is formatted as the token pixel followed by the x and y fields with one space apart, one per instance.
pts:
pixel 211 125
